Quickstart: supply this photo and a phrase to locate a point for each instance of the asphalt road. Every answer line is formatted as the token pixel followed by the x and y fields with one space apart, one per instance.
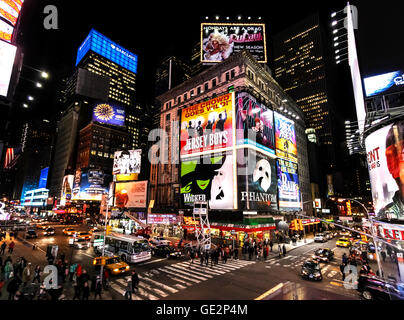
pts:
pixel 178 279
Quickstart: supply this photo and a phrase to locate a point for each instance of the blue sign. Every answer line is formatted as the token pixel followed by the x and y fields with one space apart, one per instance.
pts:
pixel 384 83
pixel 109 114
pixel 109 49
pixel 43 179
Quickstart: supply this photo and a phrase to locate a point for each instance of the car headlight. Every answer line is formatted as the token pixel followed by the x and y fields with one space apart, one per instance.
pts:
pixel 116 270
pixel 317 274
pixel 304 272
pixel 127 267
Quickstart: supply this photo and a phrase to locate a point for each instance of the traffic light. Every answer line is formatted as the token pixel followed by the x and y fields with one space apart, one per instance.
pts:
pixel 108 230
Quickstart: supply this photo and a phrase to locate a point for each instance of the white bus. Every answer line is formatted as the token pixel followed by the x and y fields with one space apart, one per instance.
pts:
pixel 128 248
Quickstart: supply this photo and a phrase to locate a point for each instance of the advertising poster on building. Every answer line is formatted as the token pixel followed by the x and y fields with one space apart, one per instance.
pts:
pixel 208 178
pixel 385 83
pixel 220 40
pixel 256 181
pixel 108 113
pixel 254 123
pixel 6 31
pixel 127 164
pixel 90 184
pixel 67 189
pixel 10 10
pixel 288 186
pixel 384 149
pixel 7 56
pixel 207 126
pixel 285 137
pixel 131 194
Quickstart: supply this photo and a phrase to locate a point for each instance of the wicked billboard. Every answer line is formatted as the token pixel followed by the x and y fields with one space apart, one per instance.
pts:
pixel 256 181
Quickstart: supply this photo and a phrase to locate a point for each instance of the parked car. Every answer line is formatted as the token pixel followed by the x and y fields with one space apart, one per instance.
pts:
pixel 311 270
pixel 320 237
pixel 168 251
pixel 375 288
pixel 323 255
pixel 30 234
pixel 49 232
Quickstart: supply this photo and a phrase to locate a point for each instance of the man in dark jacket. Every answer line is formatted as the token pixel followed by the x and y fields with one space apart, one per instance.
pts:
pixel 135 281
pixel 13 286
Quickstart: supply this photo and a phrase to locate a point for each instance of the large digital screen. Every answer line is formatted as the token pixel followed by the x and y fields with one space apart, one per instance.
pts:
pixel 288 186
pixel 6 31
pixel 90 184
pixel 10 10
pixel 208 178
pixel 43 179
pixel 131 194
pixel 254 123
pixel 207 126
pixel 127 163
pixel 109 49
pixel 384 83
pixel 67 189
pixel 256 181
pixel 285 137
pixel 220 40
pixel 384 149
pixel 7 57
pixel 109 114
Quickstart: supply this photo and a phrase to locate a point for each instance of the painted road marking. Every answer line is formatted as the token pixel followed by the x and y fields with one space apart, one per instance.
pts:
pixel 149 262
pixel 178 275
pixel 269 292
pixel 165 287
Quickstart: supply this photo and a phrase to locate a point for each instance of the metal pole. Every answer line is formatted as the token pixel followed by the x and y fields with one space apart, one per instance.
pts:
pixel 105 236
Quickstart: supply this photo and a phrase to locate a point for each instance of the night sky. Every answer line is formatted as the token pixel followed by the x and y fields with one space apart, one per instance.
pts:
pixel 154 31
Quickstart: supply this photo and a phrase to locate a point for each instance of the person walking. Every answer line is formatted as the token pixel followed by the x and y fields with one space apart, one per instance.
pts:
pixel 206 254
pixel 76 290
pixel 235 252
pixel 201 256
pixel 135 281
pixel 224 256
pixel 106 278
pixel 129 289
pixel 250 252
pixel 98 287
pixel 271 244
pixel 86 291
pixel 11 247
pixel 72 270
pixel 3 247
pixel 265 252
pixel 8 270
pixel 37 274
pixel 13 286
pixel 344 259
pixel 342 269
pixel 284 250
pixel 192 256
pixel 27 274
pixel 383 254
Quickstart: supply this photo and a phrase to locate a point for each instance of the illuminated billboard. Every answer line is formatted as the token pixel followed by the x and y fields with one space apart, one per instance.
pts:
pixel 384 149
pixel 67 189
pixel 10 10
pixel 285 137
pixel 221 40
pixel 207 126
pixel 7 57
pixel 384 83
pixel 109 49
pixel 288 185
pixel 6 31
pixel 127 164
pixel 131 194
pixel 109 114
pixel 256 181
pixel 208 178
pixel 43 179
pixel 90 184
pixel 254 123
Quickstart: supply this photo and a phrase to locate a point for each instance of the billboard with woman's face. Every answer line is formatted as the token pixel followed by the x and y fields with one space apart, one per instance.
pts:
pixel 385 155
pixel 285 138
pixel 254 123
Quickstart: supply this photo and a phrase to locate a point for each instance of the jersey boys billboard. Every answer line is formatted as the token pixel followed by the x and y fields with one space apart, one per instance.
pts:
pixel 109 114
pixel 285 137
pixel 208 178
pixel 254 123
pixel 288 185
pixel 207 126
pixel 220 40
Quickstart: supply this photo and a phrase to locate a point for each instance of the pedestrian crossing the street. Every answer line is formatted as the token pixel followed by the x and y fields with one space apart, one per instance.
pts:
pixel 170 279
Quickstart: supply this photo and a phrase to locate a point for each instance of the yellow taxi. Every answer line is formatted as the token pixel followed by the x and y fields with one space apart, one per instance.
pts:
pixel 343 242
pixel 113 264
pixel 69 231
pixel 83 235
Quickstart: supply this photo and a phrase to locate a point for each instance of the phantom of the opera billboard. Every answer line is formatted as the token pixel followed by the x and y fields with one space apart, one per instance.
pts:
pixel 254 123
pixel 207 126
pixel 208 178
pixel 220 40
pixel 288 186
pixel 127 164
pixel 90 184
pixel 285 137
pixel 385 157
pixel 131 194
pixel 256 181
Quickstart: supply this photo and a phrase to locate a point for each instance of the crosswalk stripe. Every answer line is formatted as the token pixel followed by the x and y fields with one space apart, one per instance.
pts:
pixel 192 271
pixel 122 292
pixel 206 269
pixel 188 274
pixel 155 290
pixel 179 280
pixel 165 287
pixel 140 290
pixel 178 275
pixel 227 267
